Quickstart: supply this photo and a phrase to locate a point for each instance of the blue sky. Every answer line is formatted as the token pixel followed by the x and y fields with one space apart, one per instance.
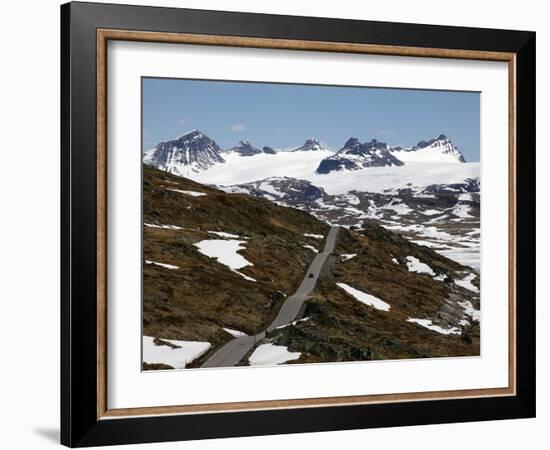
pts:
pixel 284 115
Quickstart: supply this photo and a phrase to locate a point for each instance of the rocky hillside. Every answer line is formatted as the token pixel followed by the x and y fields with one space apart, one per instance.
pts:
pixel 383 297
pixel 217 265
pixel 214 261
pixel 445 217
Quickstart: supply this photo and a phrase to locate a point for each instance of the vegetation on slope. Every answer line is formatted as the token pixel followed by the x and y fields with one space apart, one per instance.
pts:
pixel 340 328
pixel 201 296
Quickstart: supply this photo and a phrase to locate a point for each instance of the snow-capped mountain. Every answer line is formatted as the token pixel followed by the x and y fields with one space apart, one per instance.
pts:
pixel 190 153
pixel 311 144
pixel 426 192
pixel 440 149
pixel 356 155
pixel 244 148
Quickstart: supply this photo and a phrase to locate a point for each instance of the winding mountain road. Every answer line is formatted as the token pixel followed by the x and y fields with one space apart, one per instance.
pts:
pixel 232 352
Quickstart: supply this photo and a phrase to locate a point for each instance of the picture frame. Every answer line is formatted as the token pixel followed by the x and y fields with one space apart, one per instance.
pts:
pixel 86 29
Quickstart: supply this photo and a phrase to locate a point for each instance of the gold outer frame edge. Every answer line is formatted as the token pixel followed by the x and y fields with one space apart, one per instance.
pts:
pixel 104 35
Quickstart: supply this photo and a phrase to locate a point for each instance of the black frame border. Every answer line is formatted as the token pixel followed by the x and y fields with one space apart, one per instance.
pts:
pixel 79 424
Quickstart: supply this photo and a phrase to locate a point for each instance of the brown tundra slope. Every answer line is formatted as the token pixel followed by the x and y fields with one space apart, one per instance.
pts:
pixel 338 327
pixel 192 297
pixel 202 296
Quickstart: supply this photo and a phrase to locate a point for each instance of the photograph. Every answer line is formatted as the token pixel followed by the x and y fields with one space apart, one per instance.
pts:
pixel 297 224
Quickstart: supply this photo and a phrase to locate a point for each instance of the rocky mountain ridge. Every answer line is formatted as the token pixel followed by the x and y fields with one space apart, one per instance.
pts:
pixel 195 152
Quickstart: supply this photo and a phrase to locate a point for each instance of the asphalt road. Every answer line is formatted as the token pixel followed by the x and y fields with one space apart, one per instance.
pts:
pixel 232 352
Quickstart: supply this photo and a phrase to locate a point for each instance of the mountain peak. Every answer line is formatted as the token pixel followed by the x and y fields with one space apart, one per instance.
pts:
pixel 245 148
pixel 311 144
pixel 191 134
pixel 356 155
pixel 191 152
pixel 440 139
pixel 439 149
pixel 351 142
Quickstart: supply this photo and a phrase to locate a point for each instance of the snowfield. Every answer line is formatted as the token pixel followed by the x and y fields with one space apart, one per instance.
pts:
pixel 178 358
pixel 427 323
pixel 465 256
pixel 365 298
pixel 271 355
pixel 239 170
pixel 391 179
pixel 429 154
pixel 302 165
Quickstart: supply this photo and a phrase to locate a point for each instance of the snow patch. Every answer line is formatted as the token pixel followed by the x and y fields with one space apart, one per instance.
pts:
pixel 347 256
pixel 365 298
pixel 399 207
pixel 315 236
pixel 179 356
pixel 223 234
pixel 164 227
pixel 415 265
pixel 191 193
pixel 270 355
pixel 427 323
pixel 466 283
pixel 235 333
pixel 166 266
pixel 461 210
pixel 310 247
pixel 430 212
pixel 469 310
pixel 225 251
pixel 305 319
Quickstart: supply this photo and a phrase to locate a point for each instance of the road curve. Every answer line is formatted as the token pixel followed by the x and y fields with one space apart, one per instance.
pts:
pixel 232 352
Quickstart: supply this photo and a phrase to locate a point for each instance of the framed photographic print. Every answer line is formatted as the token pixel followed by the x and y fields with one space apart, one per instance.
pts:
pixel 276 224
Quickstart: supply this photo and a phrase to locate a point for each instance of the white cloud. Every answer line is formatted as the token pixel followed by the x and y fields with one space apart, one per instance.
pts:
pixel 238 127
pixel 183 121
